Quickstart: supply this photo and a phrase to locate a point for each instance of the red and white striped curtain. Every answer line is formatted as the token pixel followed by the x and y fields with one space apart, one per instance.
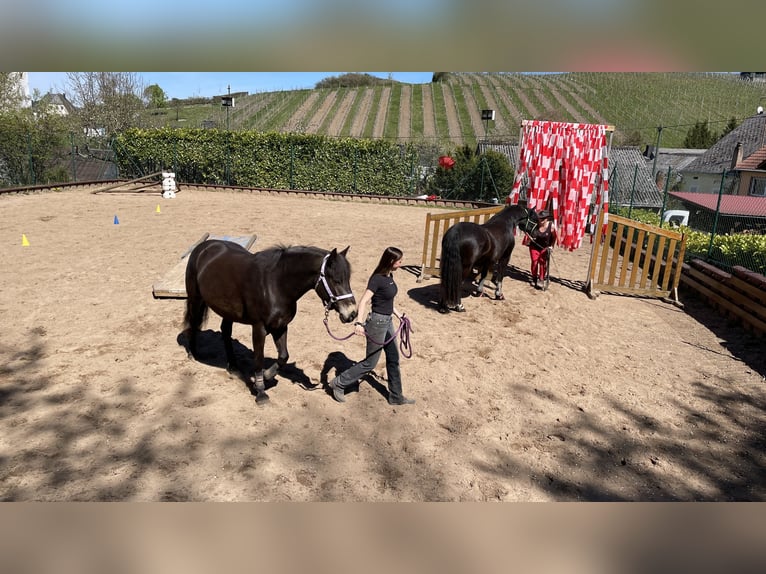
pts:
pixel 566 165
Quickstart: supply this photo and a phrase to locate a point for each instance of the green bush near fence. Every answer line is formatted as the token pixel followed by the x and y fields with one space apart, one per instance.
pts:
pixel 270 160
pixel 726 251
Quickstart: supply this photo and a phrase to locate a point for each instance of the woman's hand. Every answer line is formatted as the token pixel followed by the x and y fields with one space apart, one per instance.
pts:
pixel 359 328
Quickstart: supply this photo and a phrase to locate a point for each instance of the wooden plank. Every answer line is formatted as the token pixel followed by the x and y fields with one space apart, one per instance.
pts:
pixel 437 225
pixel 637 260
pixel 626 257
pixel 425 247
pixel 116 185
pixel 173 284
pixel 751 277
pixel 728 305
pixel 748 288
pixel 741 301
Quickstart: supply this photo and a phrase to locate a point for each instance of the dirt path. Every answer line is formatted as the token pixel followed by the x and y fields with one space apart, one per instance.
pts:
pixel 405 119
pixel 520 88
pixel 474 110
pixel 429 121
pixel 597 118
pixel 296 121
pixel 315 122
pixel 453 121
pixel 546 396
pixel 548 107
pixel 502 89
pixel 501 126
pixel 339 118
pixel 360 120
pixel 380 117
pixel 574 112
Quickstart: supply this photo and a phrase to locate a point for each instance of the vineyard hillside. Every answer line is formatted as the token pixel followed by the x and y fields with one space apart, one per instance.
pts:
pixel 447 113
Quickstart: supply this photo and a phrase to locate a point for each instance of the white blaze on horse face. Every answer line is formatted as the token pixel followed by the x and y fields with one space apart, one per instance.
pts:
pixel 347 309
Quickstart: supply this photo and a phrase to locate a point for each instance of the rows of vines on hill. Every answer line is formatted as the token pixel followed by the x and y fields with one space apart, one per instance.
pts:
pixel 445 113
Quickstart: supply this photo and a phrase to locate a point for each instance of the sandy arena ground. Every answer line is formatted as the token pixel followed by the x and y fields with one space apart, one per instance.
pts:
pixel 545 396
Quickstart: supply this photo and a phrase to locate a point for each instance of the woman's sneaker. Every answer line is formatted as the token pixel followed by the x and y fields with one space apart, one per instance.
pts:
pixel 402 401
pixel 337 391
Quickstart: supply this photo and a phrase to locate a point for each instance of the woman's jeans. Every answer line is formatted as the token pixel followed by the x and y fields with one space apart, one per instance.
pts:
pixel 379 328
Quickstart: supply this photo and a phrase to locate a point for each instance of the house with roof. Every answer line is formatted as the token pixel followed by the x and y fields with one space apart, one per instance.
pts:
pixel 630 179
pixel 57 103
pixel 740 154
pixel 670 160
pixel 734 168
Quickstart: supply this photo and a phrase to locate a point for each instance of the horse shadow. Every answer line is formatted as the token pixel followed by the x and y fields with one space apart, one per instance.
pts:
pixel 428 295
pixel 211 352
pixel 340 362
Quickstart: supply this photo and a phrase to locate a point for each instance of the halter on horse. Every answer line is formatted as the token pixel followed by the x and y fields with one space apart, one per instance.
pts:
pixel 262 289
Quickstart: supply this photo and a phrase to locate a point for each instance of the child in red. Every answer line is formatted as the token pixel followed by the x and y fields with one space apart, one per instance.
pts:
pixel 541 243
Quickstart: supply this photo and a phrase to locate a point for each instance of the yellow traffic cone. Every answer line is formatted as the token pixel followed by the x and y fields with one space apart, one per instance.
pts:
pixel 24 241
pixel 158 208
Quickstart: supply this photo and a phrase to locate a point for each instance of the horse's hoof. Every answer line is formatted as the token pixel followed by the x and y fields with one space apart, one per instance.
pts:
pixel 459 308
pixel 261 398
pixel 500 297
pixel 476 293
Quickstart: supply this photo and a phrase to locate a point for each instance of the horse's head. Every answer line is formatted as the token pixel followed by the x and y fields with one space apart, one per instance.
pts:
pixel 529 220
pixel 333 285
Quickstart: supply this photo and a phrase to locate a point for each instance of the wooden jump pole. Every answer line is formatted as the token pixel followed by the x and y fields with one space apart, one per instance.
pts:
pixel 116 185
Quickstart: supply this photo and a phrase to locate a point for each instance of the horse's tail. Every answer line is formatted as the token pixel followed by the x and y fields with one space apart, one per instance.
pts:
pixel 196 308
pixel 451 268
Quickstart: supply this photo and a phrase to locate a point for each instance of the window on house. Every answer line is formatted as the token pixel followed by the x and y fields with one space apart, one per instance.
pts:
pixel 758 186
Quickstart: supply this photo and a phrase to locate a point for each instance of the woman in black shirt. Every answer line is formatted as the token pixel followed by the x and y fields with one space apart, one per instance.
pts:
pixel 380 293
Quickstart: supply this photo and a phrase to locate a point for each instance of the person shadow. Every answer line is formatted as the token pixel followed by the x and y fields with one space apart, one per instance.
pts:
pixel 211 352
pixel 336 363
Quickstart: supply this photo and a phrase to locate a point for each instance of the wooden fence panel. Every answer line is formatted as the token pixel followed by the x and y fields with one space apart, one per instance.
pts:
pixel 437 225
pixel 634 258
pixel 735 294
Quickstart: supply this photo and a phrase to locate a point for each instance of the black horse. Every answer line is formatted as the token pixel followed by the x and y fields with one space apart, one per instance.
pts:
pixel 469 248
pixel 262 289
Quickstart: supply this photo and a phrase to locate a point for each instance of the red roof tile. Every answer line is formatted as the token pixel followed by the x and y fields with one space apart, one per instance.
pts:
pixel 754 160
pixel 730 204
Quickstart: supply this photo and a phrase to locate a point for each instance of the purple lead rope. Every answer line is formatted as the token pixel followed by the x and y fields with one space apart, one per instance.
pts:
pixel 404 330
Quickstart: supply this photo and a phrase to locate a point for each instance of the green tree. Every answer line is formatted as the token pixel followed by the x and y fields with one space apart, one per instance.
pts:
pixel 108 101
pixel 11 96
pixel 699 136
pixel 155 97
pixel 33 147
pixel 453 182
pixel 492 177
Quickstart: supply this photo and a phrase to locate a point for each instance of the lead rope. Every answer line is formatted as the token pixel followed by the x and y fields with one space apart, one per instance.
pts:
pixel 404 330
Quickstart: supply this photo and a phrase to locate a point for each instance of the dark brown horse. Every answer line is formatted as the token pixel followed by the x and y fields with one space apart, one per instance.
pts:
pixel 468 246
pixel 262 289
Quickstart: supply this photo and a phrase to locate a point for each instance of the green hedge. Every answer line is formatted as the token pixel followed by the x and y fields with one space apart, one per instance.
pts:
pixel 269 160
pixel 726 251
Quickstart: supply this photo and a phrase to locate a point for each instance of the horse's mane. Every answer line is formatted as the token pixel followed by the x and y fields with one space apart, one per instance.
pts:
pixel 505 212
pixel 275 255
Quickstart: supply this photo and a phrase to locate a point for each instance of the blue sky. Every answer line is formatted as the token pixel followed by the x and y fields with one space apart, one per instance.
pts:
pixel 189 84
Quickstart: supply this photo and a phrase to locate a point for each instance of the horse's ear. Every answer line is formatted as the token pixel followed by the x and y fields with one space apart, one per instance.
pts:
pixel 345 250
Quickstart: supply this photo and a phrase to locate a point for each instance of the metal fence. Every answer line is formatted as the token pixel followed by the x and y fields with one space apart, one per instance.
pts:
pixel 725 229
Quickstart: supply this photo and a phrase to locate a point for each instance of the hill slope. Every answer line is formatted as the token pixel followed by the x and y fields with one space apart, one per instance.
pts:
pixel 447 113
